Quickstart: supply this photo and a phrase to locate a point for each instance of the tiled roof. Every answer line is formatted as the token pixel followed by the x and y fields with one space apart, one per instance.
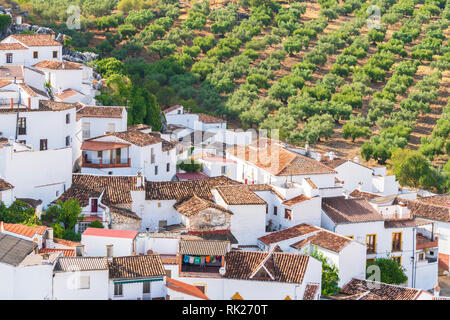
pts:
pixel 58 65
pixel 265 187
pixel 176 190
pixel 66 94
pixel 9 72
pixel 132 267
pixel 69 264
pixel 13 250
pixel 66 243
pixel 383 292
pixel 137 137
pixel 117 189
pixel 278 161
pixel 36 40
pixel 30 91
pixel 65 252
pixel 361 194
pixel 289 233
pixel 24 230
pixel 12 46
pixel 171 108
pixel 4 83
pixel 139 126
pixel 110 233
pixel 99 112
pixel 33 203
pixel 434 208
pixel 193 205
pixel 197 137
pixel 239 195
pixel 405 223
pixel 191 175
pixel 295 200
pixel 203 247
pixel 220 236
pixel 124 212
pixel 341 210
pixel 333 163
pixel 185 288
pixel 5 185
pixel 283 266
pixel 310 291
pixel 94 145
pixel 50 105
pixel 325 239
pixel 206 118
pixel 312 184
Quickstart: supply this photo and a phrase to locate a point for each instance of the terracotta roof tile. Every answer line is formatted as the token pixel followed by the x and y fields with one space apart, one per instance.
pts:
pixel 206 118
pixel 100 112
pixel 12 46
pixel 110 233
pixel 176 190
pixel 70 264
pixel 65 242
pixel 325 239
pixel 289 233
pixel 4 185
pixel 50 105
pixel 33 203
pixel 124 212
pixel 58 65
pixel 132 267
pixel 65 252
pixel 296 200
pixel 405 223
pixel 193 205
pixel 310 291
pixel 283 266
pixel 94 145
pixel 383 292
pixel 266 187
pixel 203 247
pixel 137 137
pixel 36 40
pixel 312 184
pixel 185 288
pixel 171 108
pixel 117 189
pixel 4 83
pixel 434 208
pixel 66 94
pixel 239 195
pixel 24 230
pixel 361 194
pixel 342 210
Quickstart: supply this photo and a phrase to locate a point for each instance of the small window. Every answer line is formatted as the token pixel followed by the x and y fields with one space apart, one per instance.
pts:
pixel 55 54
pixel 159 204
pixel 35 55
pixel 118 289
pixel 371 243
pixel 22 125
pixel 9 58
pixel 397 259
pixel 168 167
pixel 169 273
pixel 146 287
pixel 288 214
pixel 84 282
pixel 68 118
pixel 275 210
pixel 267 209
pixel 421 256
pixel 396 241
pixel 43 144
pixel 156 170
pixel 224 170
pixel 100 154
pixel 67 141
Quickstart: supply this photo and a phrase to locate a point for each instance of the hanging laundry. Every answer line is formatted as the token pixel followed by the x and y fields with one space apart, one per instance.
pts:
pixel 208 259
pixel 202 260
pixel 186 259
pixel 191 259
pixel 197 260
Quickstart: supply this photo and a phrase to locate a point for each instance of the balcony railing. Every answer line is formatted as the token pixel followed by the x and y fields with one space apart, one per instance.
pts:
pixel 423 242
pixel 116 163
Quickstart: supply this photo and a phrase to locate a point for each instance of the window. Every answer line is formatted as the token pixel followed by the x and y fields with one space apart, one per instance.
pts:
pixel 67 141
pixel 168 273
pixel 152 156
pixel 288 214
pixel 55 54
pixel 168 167
pixel 35 54
pixel 118 289
pixel 9 58
pixel 146 287
pixel 118 154
pixel 100 154
pixel 68 118
pixel 159 204
pixel 43 144
pixel 275 209
pixel 421 256
pixel 267 209
pixel 84 282
pixel 396 241
pixel 397 259
pixel 224 170
pixel 86 130
pixel 370 260
pixel 22 125
pixel 371 243
pixel 156 170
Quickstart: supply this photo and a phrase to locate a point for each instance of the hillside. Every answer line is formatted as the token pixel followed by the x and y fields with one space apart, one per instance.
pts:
pixel 321 71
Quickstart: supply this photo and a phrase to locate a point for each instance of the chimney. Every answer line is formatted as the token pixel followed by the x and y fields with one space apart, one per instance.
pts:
pixel 345 194
pixel 437 291
pixel 331 155
pixel 29 103
pixel 307 146
pixel 79 251
pixel 50 233
pixel 2 228
pixel 356 159
pixel 109 251
pixel 11 103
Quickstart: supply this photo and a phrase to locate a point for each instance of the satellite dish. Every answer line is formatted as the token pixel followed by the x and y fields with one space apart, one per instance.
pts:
pixel 222 271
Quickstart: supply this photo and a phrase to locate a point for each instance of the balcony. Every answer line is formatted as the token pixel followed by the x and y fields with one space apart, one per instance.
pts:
pixel 423 242
pixel 115 163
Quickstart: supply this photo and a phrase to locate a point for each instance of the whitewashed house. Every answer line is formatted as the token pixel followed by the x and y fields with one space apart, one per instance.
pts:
pixel 129 153
pixel 6 192
pixel 29 49
pixel 96 241
pixel 176 115
pixel 399 238
pixel 24 274
pixel 348 255
pixel 41 175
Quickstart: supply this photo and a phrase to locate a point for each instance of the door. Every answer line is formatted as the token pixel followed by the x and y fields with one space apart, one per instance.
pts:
pixel 94 205
pixel 146 295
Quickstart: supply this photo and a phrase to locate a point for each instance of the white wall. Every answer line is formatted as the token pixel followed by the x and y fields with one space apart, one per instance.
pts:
pixel 65 287
pixel 96 246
